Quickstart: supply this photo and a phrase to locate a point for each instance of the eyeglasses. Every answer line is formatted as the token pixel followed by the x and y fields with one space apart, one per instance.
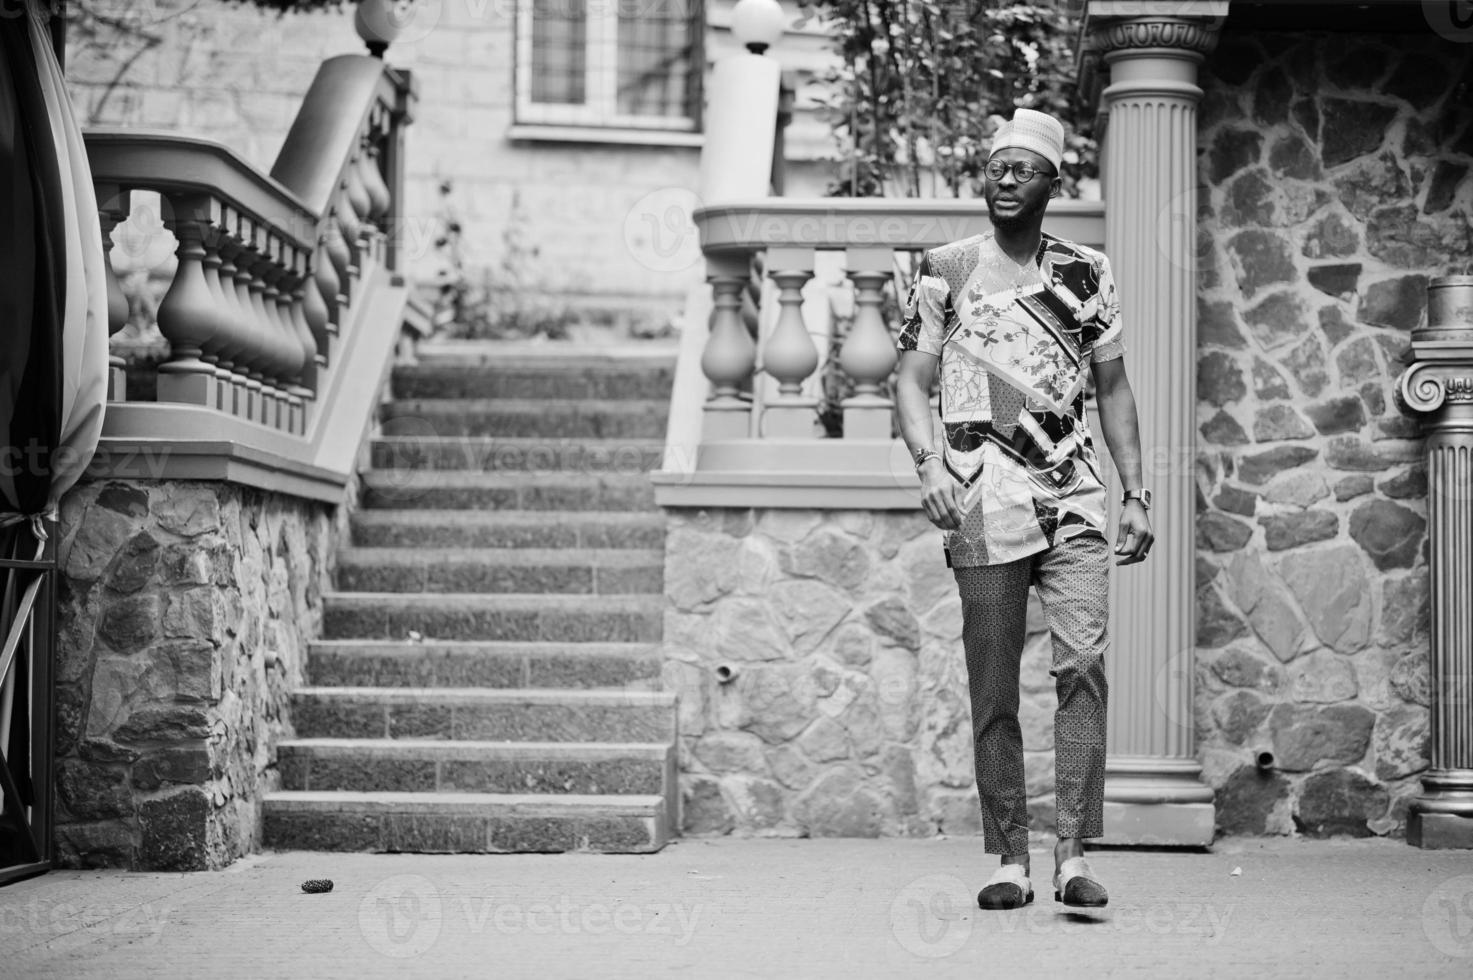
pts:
pixel 1022 171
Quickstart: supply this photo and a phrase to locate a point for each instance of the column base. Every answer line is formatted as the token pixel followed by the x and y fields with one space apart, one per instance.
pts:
pixel 1442 817
pixel 1439 831
pixel 1157 801
pixel 1159 824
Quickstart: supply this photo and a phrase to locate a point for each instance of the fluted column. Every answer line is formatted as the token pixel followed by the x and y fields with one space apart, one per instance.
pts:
pixel 1438 389
pixel 1153 788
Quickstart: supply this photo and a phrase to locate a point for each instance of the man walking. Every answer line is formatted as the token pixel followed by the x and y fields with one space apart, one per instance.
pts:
pixel 1012 319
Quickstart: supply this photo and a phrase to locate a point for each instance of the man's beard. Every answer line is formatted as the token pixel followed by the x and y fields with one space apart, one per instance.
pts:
pixel 1020 218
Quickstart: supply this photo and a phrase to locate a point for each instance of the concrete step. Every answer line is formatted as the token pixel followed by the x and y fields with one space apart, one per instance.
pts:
pixel 447 489
pixel 527 417
pixel 429 766
pixel 595 457
pixel 556 378
pixel 484 714
pixel 506 529
pixel 392 663
pixel 461 616
pixel 474 823
pixel 526 570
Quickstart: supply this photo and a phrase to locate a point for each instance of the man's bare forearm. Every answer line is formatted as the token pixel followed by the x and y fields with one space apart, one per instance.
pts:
pixel 1121 428
pixel 913 399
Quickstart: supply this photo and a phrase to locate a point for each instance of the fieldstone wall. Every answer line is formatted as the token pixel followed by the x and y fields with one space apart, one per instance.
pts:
pixel 184 611
pixel 846 712
pixel 1335 180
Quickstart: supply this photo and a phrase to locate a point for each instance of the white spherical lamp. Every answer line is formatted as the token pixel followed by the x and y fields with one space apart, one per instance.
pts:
pixel 757 24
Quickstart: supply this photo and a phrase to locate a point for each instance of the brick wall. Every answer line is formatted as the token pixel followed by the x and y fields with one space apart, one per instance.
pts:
pixel 1334 175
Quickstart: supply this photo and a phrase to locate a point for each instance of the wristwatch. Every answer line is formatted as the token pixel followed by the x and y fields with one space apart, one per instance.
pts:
pixel 1143 495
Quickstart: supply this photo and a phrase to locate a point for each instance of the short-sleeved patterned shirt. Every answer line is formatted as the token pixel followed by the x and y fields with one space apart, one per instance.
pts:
pixel 1015 343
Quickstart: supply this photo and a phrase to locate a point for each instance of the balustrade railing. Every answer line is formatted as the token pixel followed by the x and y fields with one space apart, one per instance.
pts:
pixel 734 435
pixel 269 267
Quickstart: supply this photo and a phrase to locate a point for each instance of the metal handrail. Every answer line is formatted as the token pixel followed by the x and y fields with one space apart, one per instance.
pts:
pixel 27 640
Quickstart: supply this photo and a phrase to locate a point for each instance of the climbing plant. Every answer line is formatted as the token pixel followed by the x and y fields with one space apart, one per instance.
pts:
pixel 920 86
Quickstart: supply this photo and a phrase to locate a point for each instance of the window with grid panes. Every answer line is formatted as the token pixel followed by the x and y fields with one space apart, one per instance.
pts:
pixel 630 64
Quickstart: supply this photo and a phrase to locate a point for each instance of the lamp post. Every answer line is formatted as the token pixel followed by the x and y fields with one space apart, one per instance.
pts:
pixel 736 164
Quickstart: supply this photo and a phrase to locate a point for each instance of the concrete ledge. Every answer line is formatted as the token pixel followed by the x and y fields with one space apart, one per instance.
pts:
pixel 826 474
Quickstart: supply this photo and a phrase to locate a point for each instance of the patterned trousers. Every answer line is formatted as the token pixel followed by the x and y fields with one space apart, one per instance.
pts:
pixel 1072 583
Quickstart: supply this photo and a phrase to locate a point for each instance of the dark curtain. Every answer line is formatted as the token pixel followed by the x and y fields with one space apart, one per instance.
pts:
pixel 32 257
pixel 32 284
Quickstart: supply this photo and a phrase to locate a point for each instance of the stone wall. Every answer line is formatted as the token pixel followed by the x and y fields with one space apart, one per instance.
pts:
pixel 846 713
pixel 1334 175
pixel 184 610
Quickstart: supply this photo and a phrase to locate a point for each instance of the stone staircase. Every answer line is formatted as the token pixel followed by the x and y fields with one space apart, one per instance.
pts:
pixel 489 680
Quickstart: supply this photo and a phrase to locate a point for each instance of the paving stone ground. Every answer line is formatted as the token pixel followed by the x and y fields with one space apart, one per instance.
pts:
pixel 755 908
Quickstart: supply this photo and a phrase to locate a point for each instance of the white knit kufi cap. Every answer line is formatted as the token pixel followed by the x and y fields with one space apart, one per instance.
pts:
pixel 1030 129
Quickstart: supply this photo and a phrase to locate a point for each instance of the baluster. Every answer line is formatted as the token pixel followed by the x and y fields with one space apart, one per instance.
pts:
pixel 222 396
pixel 287 351
pixel 235 394
pixel 789 355
pixel 303 377
pixel 251 359
pixel 350 228
pixel 336 246
pixel 304 390
pixel 373 182
pixel 868 355
pixel 186 314
pixel 361 204
pixel 272 396
pixel 378 200
pixel 730 354
pixel 325 275
pixel 314 308
pixel 113 212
